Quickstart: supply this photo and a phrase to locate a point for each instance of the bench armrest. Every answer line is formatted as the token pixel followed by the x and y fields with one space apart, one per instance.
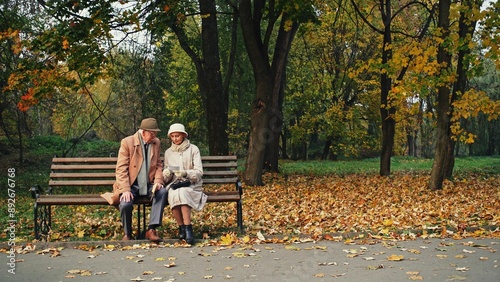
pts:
pixel 239 187
pixel 36 191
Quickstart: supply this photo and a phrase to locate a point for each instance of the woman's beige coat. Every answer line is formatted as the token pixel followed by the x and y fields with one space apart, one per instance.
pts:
pixel 190 161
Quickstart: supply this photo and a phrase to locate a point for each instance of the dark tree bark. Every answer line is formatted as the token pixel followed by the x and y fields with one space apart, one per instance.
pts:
pixel 443 146
pixel 466 27
pixel 266 117
pixel 215 99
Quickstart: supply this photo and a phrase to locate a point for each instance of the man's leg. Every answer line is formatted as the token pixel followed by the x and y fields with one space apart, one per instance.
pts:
pixel 156 216
pixel 126 209
pixel 159 202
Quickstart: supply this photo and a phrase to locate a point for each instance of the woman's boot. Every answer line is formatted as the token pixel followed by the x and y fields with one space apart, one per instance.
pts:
pixel 189 234
pixel 182 232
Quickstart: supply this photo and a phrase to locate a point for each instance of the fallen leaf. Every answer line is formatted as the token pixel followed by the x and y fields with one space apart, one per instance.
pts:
pixel 327 263
pixel 100 273
pixel 456 277
pixel 172 264
pixel 412 272
pixel 239 255
pixel 260 236
pixel 159 259
pixel 483 258
pixel 414 251
pixel 293 248
pixel 369 258
pixel 374 267
pixel 395 257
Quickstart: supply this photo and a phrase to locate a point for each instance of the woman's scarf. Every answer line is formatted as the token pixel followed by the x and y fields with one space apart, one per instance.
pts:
pixel 181 147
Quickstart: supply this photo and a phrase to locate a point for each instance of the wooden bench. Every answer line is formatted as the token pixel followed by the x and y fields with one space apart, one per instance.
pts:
pixel 72 178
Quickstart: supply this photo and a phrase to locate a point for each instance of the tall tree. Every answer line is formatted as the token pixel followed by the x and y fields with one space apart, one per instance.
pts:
pixel 443 141
pixel 208 67
pixel 269 74
pixel 390 78
pixel 456 101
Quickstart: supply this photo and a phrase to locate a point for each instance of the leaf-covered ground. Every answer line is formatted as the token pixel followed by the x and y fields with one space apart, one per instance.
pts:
pixel 392 206
pixel 398 207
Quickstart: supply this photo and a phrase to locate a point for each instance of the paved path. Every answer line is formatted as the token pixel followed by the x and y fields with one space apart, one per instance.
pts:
pixel 427 260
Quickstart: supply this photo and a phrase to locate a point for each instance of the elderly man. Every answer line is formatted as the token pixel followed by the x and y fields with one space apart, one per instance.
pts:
pixel 139 173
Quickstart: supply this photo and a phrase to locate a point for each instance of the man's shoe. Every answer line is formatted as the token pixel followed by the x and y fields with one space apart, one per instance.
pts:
pixel 126 238
pixel 152 236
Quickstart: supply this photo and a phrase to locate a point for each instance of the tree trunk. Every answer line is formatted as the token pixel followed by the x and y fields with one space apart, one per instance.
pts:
pixel 215 100
pixel 259 132
pixel 443 145
pixel 466 27
pixel 386 109
pixel 267 117
pixel 278 70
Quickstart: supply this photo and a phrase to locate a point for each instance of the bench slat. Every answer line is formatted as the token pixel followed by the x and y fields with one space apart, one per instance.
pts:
pixel 219 158
pixel 231 165
pixel 220 180
pixel 220 173
pixel 93 199
pixel 115 159
pixel 83 167
pixel 109 182
pixel 92 175
pixel 86 160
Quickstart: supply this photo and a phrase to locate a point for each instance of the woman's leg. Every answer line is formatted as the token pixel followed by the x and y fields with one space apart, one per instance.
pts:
pixel 176 211
pixel 186 214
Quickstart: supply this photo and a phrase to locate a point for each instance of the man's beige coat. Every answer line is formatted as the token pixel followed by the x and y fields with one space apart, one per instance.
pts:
pixel 129 163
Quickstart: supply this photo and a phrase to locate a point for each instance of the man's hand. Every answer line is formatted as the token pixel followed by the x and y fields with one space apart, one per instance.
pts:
pixel 156 187
pixel 127 196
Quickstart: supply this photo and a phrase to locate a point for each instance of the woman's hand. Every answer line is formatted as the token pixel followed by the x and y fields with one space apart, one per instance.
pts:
pixel 167 173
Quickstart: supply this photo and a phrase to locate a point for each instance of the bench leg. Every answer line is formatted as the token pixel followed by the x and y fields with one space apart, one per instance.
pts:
pixel 141 229
pixel 239 214
pixel 42 220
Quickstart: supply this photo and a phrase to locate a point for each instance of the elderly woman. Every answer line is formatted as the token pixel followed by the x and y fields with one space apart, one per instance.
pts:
pixel 183 173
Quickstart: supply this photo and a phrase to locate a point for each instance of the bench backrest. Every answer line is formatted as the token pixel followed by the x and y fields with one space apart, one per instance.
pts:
pixel 100 172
